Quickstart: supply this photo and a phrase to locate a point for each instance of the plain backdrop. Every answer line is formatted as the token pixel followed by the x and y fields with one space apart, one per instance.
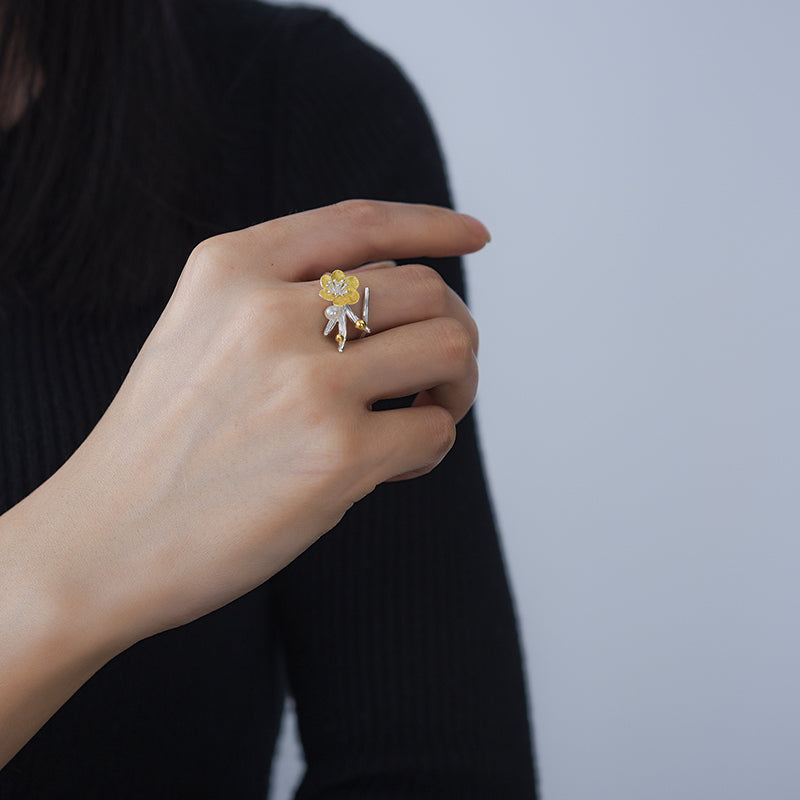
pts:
pixel 637 163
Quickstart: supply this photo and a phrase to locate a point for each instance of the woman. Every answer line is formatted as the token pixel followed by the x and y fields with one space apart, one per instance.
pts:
pixel 177 429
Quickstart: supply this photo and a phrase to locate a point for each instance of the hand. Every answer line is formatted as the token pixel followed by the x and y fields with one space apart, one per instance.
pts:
pixel 241 435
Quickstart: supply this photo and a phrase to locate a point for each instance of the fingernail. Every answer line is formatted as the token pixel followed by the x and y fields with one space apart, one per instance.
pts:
pixel 477 227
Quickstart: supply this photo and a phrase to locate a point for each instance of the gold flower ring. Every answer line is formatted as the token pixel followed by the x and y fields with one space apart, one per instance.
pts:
pixel 342 292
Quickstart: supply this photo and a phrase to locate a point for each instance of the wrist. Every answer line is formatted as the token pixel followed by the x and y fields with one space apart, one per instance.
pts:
pixel 51 572
pixel 52 639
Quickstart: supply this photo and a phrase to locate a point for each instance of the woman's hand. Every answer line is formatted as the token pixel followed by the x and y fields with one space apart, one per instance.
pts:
pixel 241 434
pixel 238 438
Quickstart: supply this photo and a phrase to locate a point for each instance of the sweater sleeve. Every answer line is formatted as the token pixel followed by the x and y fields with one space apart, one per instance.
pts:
pixel 398 626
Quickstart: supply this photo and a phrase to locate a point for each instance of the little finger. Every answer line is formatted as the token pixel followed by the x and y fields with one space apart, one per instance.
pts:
pixel 407 441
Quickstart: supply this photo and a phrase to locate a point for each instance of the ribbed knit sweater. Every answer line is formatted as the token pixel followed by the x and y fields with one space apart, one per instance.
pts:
pixel 395 632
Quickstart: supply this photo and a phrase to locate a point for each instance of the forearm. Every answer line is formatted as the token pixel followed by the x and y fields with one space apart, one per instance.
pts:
pixel 51 638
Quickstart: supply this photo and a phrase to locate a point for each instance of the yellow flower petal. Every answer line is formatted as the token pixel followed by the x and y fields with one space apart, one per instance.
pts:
pixel 332 284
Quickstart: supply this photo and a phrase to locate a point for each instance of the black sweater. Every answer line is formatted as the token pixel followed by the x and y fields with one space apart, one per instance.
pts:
pixel 395 632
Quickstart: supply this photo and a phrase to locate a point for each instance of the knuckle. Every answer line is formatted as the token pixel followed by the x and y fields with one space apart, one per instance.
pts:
pixel 210 261
pixel 426 283
pixel 208 252
pixel 435 297
pixel 442 433
pixel 361 213
pixel 476 335
pixel 455 342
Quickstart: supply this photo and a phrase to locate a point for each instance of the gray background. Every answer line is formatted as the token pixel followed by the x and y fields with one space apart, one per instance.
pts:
pixel 637 163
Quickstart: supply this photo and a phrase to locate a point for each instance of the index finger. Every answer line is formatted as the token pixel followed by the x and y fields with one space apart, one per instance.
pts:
pixel 303 246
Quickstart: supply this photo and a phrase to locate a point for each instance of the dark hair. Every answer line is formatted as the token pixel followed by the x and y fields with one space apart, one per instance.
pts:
pixel 97 171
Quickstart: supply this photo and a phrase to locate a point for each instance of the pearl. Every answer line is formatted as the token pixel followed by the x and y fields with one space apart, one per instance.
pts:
pixel 332 312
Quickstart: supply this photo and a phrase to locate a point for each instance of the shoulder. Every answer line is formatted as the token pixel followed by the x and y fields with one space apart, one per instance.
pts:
pixel 335 115
pixel 243 28
pixel 299 58
pixel 304 46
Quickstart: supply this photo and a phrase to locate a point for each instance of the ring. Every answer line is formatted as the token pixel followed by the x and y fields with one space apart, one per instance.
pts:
pixel 342 292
